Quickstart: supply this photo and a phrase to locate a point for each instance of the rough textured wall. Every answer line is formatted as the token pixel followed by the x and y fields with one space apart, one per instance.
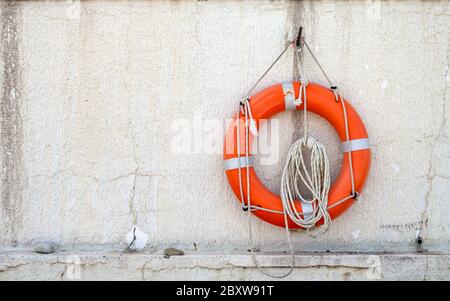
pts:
pixel 90 90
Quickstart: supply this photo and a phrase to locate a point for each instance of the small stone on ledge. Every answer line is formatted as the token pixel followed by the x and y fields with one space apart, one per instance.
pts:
pixel 45 247
pixel 173 252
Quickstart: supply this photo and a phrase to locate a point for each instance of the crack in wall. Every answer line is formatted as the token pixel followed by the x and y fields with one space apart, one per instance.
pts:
pixel 295 18
pixel 11 123
pixel 431 174
pixel 131 204
pixel 175 269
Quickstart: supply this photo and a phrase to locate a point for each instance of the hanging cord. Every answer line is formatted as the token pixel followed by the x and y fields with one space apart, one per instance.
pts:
pixel 248 207
pixel 268 69
pixel 335 90
pixel 332 86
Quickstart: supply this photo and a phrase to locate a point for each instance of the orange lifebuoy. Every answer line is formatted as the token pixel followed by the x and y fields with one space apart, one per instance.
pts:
pixel 321 101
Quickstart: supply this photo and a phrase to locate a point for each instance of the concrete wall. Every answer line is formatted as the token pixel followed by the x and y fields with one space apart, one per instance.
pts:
pixel 90 92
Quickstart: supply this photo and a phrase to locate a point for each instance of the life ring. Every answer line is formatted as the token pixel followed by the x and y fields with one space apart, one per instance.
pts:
pixel 322 101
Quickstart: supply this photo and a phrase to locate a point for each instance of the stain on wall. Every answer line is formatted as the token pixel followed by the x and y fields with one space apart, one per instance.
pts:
pixel 11 125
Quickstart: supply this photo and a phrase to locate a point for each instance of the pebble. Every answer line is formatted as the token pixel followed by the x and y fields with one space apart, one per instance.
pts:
pixel 173 252
pixel 45 247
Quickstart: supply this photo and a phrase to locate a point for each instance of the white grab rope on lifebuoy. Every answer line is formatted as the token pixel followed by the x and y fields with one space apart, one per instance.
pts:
pixel 317 181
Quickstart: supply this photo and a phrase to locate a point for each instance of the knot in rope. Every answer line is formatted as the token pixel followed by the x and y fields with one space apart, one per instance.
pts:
pixel 245 102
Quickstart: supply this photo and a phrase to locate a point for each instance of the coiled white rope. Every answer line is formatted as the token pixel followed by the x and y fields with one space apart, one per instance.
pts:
pixel 318 182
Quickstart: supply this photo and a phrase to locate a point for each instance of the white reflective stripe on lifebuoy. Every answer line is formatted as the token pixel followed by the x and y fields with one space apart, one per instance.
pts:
pixel 354 145
pixel 289 96
pixel 307 210
pixel 235 163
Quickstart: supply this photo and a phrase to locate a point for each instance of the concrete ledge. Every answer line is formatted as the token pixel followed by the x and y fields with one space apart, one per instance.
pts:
pixel 317 266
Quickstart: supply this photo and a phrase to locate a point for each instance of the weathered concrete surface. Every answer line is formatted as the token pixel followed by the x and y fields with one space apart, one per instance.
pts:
pixel 10 124
pixel 107 266
pixel 89 93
